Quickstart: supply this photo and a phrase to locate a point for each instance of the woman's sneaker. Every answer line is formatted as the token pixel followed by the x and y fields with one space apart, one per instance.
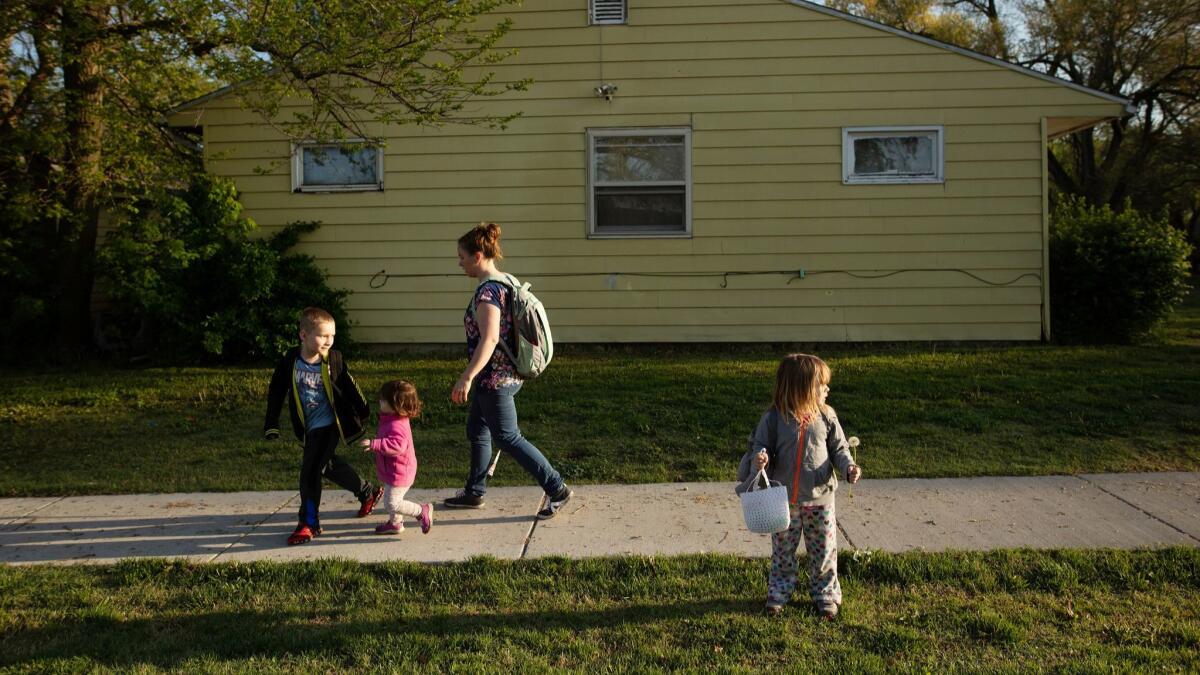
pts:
pixel 553 504
pixel 464 500
pixel 426 518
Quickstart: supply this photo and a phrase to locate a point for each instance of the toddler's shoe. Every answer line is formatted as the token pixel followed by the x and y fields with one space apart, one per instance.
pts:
pixel 302 535
pixel 464 500
pixel 773 609
pixel 390 528
pixel 827 610
pixel 426 518
pixel 555 503
pixel 369 503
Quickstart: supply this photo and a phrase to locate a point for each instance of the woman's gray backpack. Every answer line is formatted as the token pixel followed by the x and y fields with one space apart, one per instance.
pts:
pixel 533 345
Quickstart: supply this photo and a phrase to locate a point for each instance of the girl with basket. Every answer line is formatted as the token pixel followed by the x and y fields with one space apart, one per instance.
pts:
pixel 797 443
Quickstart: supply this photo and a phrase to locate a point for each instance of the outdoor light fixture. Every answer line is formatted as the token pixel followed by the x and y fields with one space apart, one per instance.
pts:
pixel 606 91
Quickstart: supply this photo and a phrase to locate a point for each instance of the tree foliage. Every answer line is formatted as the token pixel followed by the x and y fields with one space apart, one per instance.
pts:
pixel 85 85
pixel 187 281
pixel 1146 51
pixel 1115 275
pixel 974 24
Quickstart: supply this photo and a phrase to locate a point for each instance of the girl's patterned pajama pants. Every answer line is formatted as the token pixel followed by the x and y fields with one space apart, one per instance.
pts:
pixel 818 527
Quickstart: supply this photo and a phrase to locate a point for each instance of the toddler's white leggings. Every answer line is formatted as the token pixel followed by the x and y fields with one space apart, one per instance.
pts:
pixel 393 499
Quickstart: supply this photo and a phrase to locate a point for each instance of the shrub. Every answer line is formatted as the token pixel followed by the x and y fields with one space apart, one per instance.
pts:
pixel 1113 276
pixel 188 282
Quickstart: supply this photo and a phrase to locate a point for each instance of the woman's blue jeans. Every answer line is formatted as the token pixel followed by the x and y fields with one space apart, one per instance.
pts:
pixel 493 419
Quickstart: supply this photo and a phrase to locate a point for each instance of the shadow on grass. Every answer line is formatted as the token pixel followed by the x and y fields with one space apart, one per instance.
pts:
pixel 171 642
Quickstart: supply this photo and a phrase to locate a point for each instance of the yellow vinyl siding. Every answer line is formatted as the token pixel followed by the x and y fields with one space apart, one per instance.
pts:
pixel 367 265
pixel 552 231
pixel 455 216
pixel 795 174
pixel 766 88
pixel 732 297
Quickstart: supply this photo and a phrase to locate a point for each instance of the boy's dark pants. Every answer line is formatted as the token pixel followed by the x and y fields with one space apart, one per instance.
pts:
pixel 320 461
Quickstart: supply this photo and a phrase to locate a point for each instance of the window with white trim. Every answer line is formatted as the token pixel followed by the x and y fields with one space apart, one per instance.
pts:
pixel 603 12
pixel 639 182
pixel 336 167
pixel 907 154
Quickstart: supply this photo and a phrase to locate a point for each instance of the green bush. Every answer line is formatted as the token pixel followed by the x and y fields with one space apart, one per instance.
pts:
pixel 187 281
pixel 1113 276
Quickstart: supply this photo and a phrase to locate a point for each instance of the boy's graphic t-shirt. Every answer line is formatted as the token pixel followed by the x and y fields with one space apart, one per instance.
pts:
pixel 317 411
pixel 498 371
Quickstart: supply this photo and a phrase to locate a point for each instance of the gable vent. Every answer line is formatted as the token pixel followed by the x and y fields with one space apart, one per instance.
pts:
pixel 608 11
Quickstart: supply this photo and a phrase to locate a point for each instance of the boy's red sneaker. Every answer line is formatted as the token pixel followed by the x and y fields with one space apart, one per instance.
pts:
pixel 369 504
pixel 302 535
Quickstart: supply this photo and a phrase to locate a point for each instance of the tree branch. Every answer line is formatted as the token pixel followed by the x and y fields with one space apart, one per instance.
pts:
pixel 40 75
pixel 1058 173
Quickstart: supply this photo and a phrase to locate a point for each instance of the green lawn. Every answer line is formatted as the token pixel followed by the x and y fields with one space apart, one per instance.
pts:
pixel 1010 611
pixel 626 414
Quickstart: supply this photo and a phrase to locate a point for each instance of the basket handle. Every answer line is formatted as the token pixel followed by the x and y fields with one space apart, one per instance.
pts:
pixel 760 478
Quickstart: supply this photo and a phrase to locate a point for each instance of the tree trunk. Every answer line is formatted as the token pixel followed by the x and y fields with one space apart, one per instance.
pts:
pixel 84 95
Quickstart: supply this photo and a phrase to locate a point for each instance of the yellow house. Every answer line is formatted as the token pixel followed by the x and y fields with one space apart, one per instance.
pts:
pixel 710 170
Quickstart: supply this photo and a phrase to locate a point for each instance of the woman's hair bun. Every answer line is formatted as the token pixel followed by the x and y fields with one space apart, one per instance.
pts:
pixel 483 238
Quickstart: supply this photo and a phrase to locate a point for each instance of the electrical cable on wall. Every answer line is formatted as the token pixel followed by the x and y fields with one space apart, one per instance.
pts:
pixel 380 278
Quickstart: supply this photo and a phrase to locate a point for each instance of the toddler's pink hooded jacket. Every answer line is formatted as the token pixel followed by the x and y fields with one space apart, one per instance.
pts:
pixel 395 459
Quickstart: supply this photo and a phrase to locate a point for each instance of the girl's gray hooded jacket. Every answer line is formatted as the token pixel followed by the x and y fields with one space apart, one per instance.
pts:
pixel 824 446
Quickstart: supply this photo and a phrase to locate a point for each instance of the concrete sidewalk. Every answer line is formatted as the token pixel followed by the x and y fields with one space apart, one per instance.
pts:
pixel 1086 511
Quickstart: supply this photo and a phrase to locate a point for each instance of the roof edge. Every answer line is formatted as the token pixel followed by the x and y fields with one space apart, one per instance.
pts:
pixel 200 100
pixel 963 51
pixel 216 93
pixel 828 11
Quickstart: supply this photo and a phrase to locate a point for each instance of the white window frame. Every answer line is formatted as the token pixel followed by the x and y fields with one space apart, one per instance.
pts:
pixel 592 183
pixel 937 132
pixel 298 185
pixel 593 21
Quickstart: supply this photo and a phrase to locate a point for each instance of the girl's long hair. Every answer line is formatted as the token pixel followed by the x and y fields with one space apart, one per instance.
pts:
pixel 798 384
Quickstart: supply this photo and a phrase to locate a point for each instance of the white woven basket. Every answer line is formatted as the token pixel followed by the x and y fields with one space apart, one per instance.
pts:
pixel 765 505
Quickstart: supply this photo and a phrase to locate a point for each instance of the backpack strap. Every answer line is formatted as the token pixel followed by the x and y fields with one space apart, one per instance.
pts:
pixel 335 364
pixel 511 282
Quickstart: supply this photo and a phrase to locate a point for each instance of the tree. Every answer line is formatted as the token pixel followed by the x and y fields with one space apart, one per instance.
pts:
pixel 1146 51
pixel 85 85
pixel 186 281
pixel 974 24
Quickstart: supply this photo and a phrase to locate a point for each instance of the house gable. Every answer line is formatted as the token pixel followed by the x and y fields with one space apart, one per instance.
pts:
pixel 1112 98
pixel 767 89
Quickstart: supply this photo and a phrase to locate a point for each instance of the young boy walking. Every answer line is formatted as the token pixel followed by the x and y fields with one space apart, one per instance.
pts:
pixel 326 407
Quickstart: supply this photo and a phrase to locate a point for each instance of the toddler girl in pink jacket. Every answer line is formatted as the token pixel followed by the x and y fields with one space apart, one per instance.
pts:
pixel 395 459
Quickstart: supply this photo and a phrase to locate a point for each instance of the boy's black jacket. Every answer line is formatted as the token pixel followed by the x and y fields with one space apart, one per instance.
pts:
pixel 350 409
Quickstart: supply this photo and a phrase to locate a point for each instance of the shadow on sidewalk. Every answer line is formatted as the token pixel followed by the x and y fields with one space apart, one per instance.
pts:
pixel 40 540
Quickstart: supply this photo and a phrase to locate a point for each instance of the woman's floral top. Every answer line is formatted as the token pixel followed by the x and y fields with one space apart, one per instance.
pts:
pixel 498 371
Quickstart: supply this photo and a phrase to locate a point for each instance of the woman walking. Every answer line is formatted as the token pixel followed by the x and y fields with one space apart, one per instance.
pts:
pixel 490 381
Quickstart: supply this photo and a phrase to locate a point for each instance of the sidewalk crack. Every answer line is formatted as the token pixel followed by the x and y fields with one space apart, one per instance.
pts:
pixel 532 527
pixel 1151 515
pixel 43 506
pixel 17 522
pixel 250 530
pixel 846 535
